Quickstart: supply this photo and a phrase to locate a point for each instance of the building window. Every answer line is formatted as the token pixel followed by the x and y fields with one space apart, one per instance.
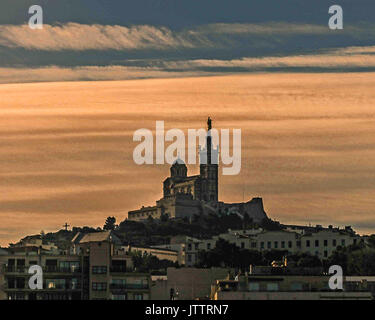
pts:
pixel 99 269
pixel 189 247
pixel 69 266
pixel 119 297
pixel 16 283
pixel 343 242
pixel 298 244
pixel 290 244
pixel 208 246
pixel 118 284
pixel 354 241
pixel 325 253
pixel 253 244
pixel 138 296
pixel 16 296
pixel 325 243
pixel 253 286
pixel 269 244
pixel 276 244
pixel 56 284
pixel 196 246
pixel 74 284
pixel 242 245
pixel 296 286
pixel 189 257
pixel 262 245
pixel 282 244
pixel 99 286
pixel 334 243
pixel 316 243
pixel 307 243
pixel 272 286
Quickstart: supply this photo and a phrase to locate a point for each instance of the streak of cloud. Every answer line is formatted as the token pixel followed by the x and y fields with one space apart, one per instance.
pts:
pixel 75 36
pixel 344 59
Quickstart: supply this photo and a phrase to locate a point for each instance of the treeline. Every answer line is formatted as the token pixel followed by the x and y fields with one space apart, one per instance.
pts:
pixel 151 232
pixel 356 260
pixel 227 254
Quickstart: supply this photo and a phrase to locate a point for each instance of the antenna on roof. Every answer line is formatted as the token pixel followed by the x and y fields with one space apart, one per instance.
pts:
pixel 66 225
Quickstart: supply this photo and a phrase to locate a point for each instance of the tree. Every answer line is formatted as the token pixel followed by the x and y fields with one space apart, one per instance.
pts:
pixel 361 262
pixel 227 254
pixel 147 263
pixel 110 223
pixel 247 221
pixel 371 241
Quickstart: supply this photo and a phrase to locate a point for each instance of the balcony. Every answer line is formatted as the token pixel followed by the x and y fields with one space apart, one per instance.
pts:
pixel 64 287
pixel 15 269
pixel 46 269
pixel 56 269
pixel 55 287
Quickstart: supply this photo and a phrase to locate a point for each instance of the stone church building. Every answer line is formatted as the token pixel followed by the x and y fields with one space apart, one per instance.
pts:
pixel 186 196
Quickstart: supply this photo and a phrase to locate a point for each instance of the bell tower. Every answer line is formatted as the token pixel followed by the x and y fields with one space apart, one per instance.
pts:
pixel 209 168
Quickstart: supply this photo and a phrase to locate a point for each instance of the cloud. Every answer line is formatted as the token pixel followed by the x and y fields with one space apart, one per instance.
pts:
pixel 86 73
pixel 319 60
pixel 345 59
pixel 358 50
pixel 75 36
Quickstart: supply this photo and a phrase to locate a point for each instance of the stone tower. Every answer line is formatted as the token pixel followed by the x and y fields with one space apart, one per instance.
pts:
pixel 209 168
pixel 179 169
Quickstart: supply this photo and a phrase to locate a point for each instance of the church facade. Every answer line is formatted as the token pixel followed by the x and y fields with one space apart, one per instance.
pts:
pixel 186 196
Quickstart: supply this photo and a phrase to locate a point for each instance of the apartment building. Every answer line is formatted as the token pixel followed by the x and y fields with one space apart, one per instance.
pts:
pixel 187 283
pixel 37 242
pixel 62 276
pixel 160 253
pixel 187 249
pixel 360 283
pixel 94 268
pixel 318 241
pixel 283 287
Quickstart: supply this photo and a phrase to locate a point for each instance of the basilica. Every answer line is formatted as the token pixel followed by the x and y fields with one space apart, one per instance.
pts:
pixel 185 196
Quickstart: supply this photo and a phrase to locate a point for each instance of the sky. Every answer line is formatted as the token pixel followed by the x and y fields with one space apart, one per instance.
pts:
pixel 73 93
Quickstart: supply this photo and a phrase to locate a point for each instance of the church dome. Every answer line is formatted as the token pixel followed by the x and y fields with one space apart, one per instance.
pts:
pixel 178 161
